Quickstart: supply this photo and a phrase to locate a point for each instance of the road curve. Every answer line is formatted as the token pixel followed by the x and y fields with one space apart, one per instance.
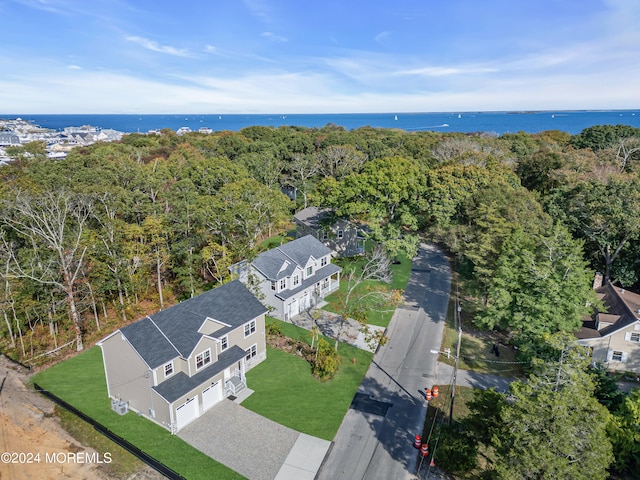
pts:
pixel 376 436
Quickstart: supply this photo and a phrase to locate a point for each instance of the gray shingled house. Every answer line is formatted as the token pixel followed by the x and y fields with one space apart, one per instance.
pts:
pixel 296 276
pixel 340 235
pixel 614 335
pixel 176 364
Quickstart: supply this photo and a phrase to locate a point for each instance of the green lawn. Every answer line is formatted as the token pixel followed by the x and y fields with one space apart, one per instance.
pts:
pixel 476 347
pixel 286 392
pixel 80 381
pixel 401 272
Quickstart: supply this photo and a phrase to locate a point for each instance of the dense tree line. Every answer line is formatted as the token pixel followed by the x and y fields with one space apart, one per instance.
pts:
pixel 119 229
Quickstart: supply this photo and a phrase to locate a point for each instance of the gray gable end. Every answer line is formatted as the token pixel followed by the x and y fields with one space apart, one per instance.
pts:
pixel 178 325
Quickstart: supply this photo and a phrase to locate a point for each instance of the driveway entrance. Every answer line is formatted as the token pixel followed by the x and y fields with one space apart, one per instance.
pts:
pixel 250 444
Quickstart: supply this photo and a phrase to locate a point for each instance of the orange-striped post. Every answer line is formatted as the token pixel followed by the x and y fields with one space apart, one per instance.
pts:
pixel 436 391
pixel 427 393
pixel 424 450
pixel 417 443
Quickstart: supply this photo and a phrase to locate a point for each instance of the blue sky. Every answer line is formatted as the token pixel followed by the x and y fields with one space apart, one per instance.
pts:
pixel 308 56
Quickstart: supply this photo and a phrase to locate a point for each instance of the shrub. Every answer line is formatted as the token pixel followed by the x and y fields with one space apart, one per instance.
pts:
pixel 327 361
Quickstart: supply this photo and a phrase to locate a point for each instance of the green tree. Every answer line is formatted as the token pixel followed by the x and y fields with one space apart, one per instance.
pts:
pixel 605 215
pixel 387 194
pixel 540 285
pixel 51 225
pixel 550 426
pixel 625 434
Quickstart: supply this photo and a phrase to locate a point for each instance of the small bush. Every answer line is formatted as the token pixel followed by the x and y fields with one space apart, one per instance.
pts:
pixel 327 362
pixel 274 329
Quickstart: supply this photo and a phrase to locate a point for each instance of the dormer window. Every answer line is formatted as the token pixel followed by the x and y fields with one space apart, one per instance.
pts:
pixel 309 271
pixel 340 233
pixel 283 283
pixel 296 280
pixel 323 261
pixel 273 285
pixel 224 343
pixel 325 235
pixel 168 369
pixel 203 359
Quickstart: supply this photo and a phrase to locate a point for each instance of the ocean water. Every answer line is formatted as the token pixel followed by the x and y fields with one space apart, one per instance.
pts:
pixel 498 123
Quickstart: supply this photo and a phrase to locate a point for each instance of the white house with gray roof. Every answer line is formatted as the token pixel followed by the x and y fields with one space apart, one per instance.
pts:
pixel 295 276
pixel 176 364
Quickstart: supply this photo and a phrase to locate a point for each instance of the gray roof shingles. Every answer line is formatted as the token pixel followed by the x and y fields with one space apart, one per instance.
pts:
pixel 180 384
pixel 154 338
pixel 295 252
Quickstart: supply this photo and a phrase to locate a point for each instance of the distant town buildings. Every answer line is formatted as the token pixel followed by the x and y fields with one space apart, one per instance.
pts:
pixel 16 132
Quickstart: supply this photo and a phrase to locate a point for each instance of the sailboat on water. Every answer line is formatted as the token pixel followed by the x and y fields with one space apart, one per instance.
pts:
pixel 396 117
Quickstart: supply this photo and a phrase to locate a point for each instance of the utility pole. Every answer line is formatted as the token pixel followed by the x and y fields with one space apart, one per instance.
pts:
pixel 457 357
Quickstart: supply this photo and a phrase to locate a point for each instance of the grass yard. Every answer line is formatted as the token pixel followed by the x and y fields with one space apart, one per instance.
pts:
pixel 476 347
pixel 286 392
pixel 80 381
pixel 401 272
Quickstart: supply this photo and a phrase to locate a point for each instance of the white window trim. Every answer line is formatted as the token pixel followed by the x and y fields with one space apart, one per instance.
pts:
pixel 251 353
pixel 623 356
pixel 282 284
pixel 164 369
pixel 222 342
pixel 340 234
pixel 324 261
pixel 252 328
pixel 202 354
pixel 629 337
pixel 295 280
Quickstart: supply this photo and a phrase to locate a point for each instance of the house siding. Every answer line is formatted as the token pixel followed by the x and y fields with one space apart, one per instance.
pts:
pixel 617 342
pixel 125 372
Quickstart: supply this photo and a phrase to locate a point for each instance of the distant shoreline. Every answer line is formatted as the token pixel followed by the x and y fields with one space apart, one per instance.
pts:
pixel 490 122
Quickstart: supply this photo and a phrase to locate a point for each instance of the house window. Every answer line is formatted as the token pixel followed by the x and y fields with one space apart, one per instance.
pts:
pixel 296 280
pixel 634 337
pixel 309 271
pixel 323 261
pixel 251 353
pixel 616 356
pixel 283 284
pixel 340 233
pixel 224 341
pixel 273 285
pixel 203 359
pixel 168 369
pixel 325 235
pixel 250 328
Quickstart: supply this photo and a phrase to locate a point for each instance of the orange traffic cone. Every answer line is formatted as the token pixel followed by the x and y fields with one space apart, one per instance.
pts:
pixel 427 393
pixel 436 391
pixel 417 443
pixel 424 450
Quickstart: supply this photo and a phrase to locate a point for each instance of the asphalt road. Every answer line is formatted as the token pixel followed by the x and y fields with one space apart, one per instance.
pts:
pixel 375 440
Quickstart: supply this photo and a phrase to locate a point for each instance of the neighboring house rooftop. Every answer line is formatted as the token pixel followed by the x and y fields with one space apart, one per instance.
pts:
pixel 313 216
pixel 174 332
pixel 622 307
pixel 280 262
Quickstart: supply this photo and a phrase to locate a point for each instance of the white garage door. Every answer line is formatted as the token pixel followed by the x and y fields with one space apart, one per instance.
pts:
pixel 187 412
pixel 212 395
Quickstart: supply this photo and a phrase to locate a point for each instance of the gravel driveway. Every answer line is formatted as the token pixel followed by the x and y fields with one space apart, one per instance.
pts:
pixel 244 441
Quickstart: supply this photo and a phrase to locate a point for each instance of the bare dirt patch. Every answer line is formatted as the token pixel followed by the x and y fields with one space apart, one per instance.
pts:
pixel 33 444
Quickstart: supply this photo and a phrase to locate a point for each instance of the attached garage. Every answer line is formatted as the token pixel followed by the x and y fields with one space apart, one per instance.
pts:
pixel 187 412
pixel 212 395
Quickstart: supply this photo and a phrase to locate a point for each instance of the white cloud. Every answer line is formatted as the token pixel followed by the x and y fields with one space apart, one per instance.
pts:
pixel 273 37
pixel 156 47
pixel 74 67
